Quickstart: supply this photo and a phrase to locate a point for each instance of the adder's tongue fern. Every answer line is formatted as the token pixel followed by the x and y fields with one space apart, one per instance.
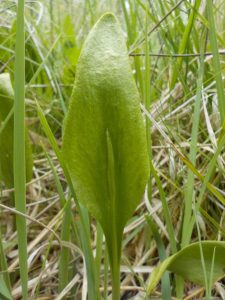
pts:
pixel 104 140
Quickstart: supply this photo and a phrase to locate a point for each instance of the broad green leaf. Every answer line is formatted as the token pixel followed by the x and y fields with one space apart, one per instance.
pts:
pixel 6 134
pixel 104 142
pixel 187 263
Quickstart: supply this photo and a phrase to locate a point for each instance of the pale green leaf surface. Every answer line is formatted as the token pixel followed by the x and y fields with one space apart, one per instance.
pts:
pixel 187 263
pixel 104 141
pixel 6 134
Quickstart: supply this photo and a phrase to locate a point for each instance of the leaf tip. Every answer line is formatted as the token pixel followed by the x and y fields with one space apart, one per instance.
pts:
pixel 108 18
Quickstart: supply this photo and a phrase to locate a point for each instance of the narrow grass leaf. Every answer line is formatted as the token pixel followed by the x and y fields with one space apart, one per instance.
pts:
pixel 19 148
pixel 84 232
pixel 6 134
pixel 65 253
pixel 4 291
pixel 216 60
pixel 189 188
pixel 65 231
pixel 184 42
pixel 202 258
pixel 98 257
pixel 206 184
pixel 166 210
pixel 166 290
pixel 3 266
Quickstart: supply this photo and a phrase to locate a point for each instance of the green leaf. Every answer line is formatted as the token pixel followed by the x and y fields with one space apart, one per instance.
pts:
pixel 4 289
pixel 104 142
pixel 216 60
pixel 187 263
pixel 70 49
pixel 6 134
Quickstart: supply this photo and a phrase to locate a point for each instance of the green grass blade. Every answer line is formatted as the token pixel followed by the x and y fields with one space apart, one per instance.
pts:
pixel 85 238
pixel 19 147
pixel 166 211
pixel 193 149
pixel 56 178
pixel 184 42
pixel 4 289
pixel 65 231
pixel 106 274
pixel 216 60
pixel 98 257
pixel 202 258
pixel 212 271
pixel 147 101
pixel 3 265
pixel 205 184
pixel 166 291
pixel 84 232
pixel 65 252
